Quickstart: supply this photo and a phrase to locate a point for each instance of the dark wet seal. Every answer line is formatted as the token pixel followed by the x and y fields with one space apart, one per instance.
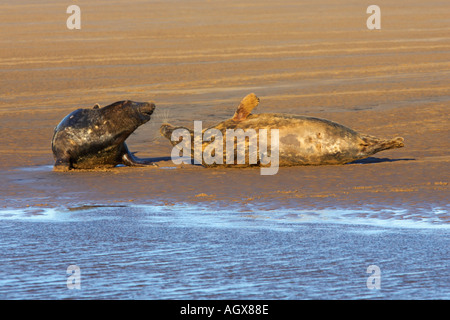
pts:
pixel 95 138
pixel 302 140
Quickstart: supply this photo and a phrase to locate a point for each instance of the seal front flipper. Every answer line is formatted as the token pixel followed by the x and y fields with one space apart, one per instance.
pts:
pixel 245 107
pixel 62 165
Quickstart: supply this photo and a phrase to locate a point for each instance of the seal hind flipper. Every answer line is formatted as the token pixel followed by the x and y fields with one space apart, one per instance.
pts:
pixel 245 107
pixel 373 144
pixel 130 160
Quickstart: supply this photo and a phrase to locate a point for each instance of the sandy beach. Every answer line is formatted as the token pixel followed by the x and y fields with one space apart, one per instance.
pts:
pixel 196 60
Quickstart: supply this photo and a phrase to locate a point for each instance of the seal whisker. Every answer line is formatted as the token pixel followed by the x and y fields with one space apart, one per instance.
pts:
pixel 159 117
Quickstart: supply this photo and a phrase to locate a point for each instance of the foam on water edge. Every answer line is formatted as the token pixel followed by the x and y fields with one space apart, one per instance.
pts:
pixel 190 215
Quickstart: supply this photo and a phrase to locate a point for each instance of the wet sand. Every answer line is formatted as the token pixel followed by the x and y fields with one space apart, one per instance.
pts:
pixel 196 60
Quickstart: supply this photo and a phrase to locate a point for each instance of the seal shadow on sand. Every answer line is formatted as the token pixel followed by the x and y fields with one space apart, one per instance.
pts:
pixel 155 160
pixel 379 160
pixel 361 161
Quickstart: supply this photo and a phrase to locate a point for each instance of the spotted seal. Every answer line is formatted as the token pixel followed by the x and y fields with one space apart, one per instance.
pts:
pixel 95 138
pixel 302 140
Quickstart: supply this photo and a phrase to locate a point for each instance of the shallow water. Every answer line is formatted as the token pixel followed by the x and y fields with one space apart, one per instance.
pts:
pixel 189 252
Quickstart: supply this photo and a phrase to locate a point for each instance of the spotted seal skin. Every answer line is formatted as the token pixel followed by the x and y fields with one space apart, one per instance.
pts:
pixel 95 138
pixel 302 140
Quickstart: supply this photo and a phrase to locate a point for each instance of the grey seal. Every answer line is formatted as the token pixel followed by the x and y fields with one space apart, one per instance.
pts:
pixel 302 140
pixel 95 138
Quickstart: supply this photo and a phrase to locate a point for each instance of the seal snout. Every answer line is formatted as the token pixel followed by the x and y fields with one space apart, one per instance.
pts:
pixel 399 142
pixel 166 130
pixel 147 108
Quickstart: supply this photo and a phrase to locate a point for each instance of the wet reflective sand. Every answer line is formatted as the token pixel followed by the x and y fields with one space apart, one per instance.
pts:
pixel 189 252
